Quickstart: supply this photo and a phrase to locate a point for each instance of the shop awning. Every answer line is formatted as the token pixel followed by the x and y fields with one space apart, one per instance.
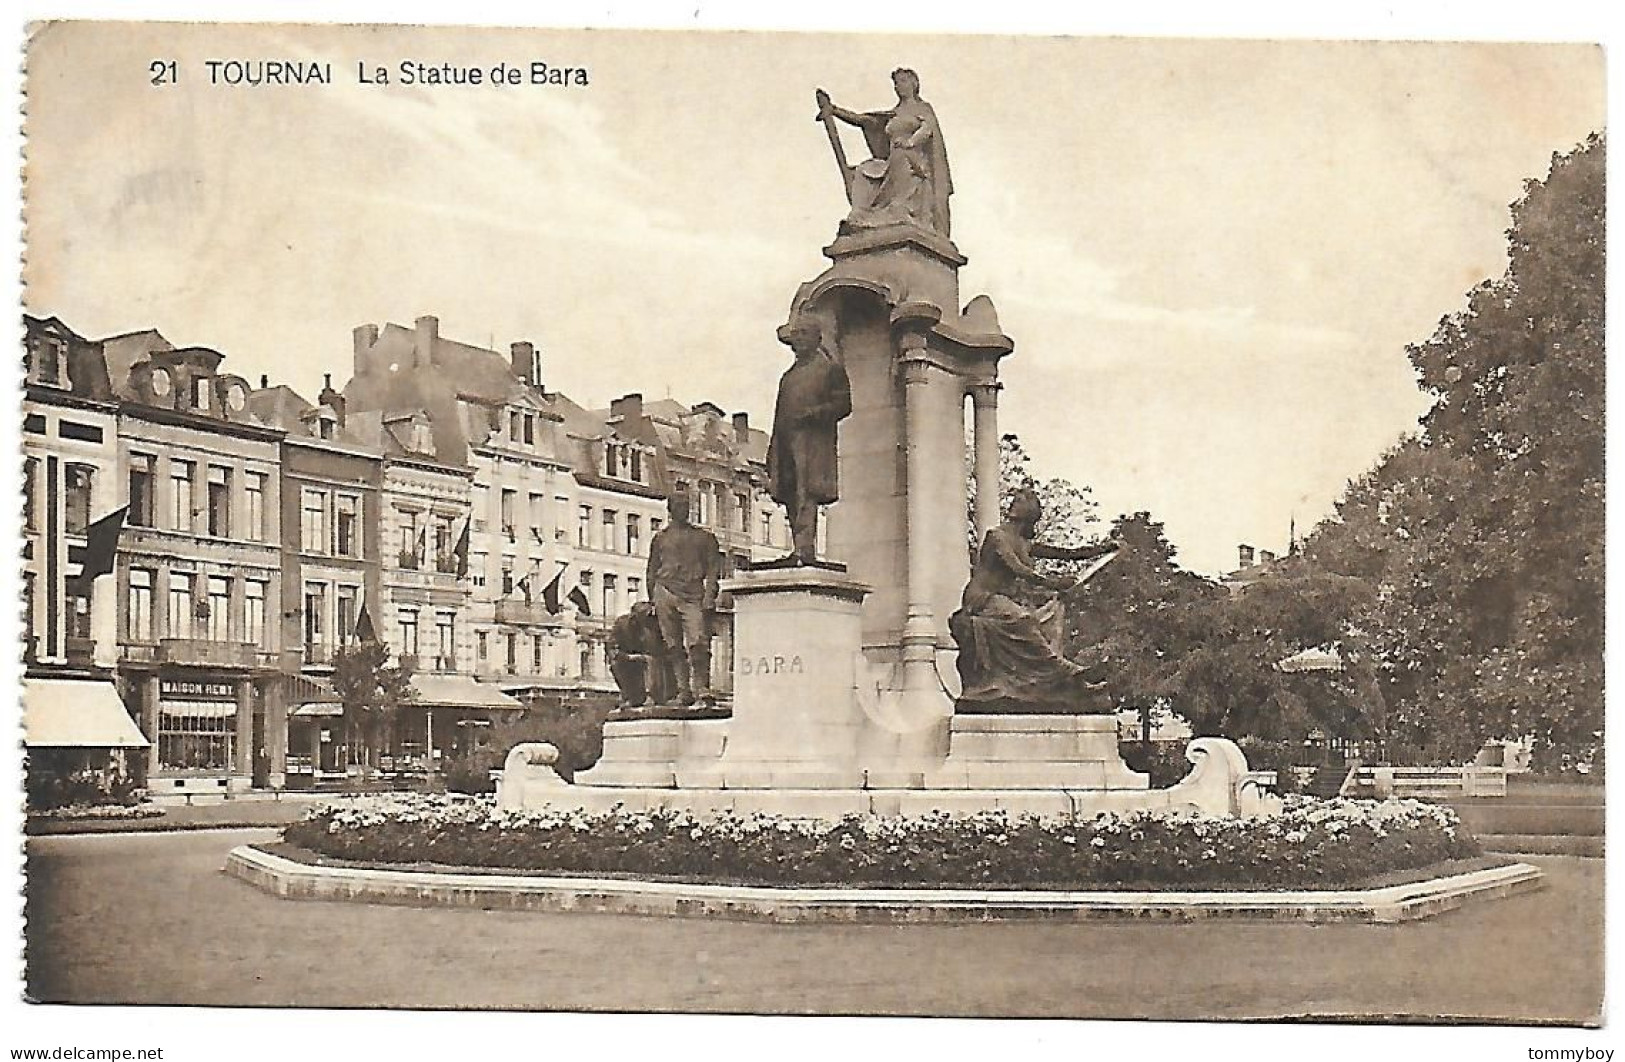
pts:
pixel 77 714
pixel 460 691
pixel 322 709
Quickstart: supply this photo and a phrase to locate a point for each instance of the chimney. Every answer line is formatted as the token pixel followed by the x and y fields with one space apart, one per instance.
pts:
pixel 741 426
pixel 363 337
pixel 1246 552
pixel 628 407
pixel 526 366
pixel 424 337
pixel 1265 556
pixel 331 398
pixel 265 381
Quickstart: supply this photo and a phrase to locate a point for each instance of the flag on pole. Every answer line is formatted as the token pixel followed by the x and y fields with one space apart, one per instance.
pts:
pixel 460 550
pixel 578 598
pixel 100 547
pixel 365 632
pixel 550 593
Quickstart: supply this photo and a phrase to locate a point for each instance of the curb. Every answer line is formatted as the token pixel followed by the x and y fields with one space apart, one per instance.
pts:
pixel 1392 904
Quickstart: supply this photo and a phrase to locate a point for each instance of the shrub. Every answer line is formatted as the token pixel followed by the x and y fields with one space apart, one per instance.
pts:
pixel 1312 843
pixel 576 730
pixel 1163 761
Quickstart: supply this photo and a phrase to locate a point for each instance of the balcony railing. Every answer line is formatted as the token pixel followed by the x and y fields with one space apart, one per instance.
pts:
pixel 520 611
pixel 79 652
pixel 202 651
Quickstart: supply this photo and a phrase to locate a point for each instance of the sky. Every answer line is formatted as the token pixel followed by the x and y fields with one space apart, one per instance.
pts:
pixel 1210 255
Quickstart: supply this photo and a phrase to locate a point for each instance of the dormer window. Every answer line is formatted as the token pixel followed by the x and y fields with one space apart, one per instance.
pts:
pixel 326 425
pixel 50 361
pixel 201 397
pixel 636 465
pixel 422 438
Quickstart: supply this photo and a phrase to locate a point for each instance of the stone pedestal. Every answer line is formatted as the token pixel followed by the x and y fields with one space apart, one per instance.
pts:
pixel 1033 752
pixel 796 719
pixel 655 752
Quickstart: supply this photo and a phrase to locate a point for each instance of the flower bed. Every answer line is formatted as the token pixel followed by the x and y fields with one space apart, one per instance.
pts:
pixel 1312 844
pixel 98 812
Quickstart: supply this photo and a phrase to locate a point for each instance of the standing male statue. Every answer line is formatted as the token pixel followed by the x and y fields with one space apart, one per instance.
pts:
pixel 814 397
pixel 684 565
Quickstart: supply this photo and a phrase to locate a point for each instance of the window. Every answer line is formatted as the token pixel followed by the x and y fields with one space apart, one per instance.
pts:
pixel 141 497
pixel 584 527
pixel 346 601
pixel 705 506
pixel 138 621
pixel 347 525
pixel 219 608
pixel 742 512
pixel 200 392
pixel 655 524
pixel 409 552
pixel 196 735
pixel 445 560
pixel 30 474
pixel 633 532
pixel 482 645
pixel 538 516
pixel 586 660
pixel 180 604
pixel 586 583
pixel 219 502
pixel 445 629
pixel 512 644
pixel 767 528
pixel 180 490
pixel 609 595
pixel 530 429
pixel 612 455
pixel 507 511
pixel 536 654
pixel 49 354
pixel 507 580
pixel 608 544
pixel 476 507
pixel 637 465
pixel 254 505
pixel 409 633
pixel 313 520
pixel 77 607
pixel 76 498
pixel 634 587
pixel 315 623
pixel 254 612
pixel 513 425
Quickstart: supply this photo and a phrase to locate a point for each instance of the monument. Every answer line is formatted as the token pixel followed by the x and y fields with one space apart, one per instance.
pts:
pixel 849 666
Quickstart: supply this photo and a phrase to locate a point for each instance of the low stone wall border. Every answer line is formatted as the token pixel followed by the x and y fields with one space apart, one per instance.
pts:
pixel 1390 904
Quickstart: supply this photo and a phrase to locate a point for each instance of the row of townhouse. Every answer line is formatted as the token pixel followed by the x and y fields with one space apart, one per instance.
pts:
pixel 442 491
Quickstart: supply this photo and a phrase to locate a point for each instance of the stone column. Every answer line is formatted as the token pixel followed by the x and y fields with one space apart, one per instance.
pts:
pixel 244 757
pixel 149 719
pixel 985 403
pixel 932 534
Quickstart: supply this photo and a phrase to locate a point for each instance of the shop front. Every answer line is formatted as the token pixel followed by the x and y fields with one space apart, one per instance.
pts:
pixel 204 734
pixel 82 744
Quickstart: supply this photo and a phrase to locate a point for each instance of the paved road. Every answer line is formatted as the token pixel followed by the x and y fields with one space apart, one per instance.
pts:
pixel 151 919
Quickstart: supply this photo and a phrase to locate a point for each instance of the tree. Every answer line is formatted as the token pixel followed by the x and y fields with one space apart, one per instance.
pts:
pixel 1139 616
pixel 372 692
pixel 1070 512
pixel 1483 535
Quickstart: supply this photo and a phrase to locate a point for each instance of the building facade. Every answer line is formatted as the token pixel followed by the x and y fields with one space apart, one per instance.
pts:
pixel 73 715
pixel 198 572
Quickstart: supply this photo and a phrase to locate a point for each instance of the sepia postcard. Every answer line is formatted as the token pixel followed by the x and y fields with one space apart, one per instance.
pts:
pixel 705 522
